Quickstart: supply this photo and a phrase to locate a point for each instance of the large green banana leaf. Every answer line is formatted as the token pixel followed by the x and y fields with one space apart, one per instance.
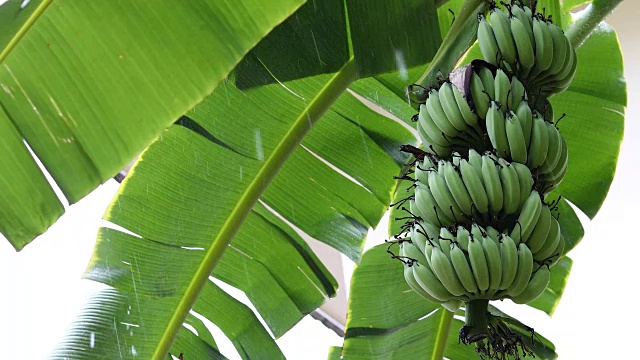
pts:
pixel 88 84
pixel 197 187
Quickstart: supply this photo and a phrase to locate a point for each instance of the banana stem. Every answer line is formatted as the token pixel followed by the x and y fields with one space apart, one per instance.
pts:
pixel 460 37
pixel 476 321
pixel 446 319
pixel 589 19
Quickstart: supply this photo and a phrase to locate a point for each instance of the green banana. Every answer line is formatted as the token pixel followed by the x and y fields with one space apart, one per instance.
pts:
pixel 430 283
pixel 541 230
pixel 497 131
pixel 551 243
pixel 431 129
pixel 539 142
pixel 527 21
pixel 463 270
pixel 458 189
pixel 559 49
pixel 475 160
pixel 473 183
pixel 413 252
pixel 487 41
pixel 523 112
pixel 430 146
pixel 446 240
pixel 442 194
pixel 502 87
pixel 428 208
pixel 509 256
pixel 450 107
pixel 525 182
pixel 469 116
pixel 487 82
pixel 434 107
pixel 555 149
pixel 544 45
pixel 480 99
pixel 494 261
pixel 515 137
pixel 502 30
pixel 492 184
pixel 413 284
pixel 510 187
pixel 479 265
pixel 462 237
pixel 443 269
pixel 536 286
pixel 528 218
pixel 523 275
pixel 523 42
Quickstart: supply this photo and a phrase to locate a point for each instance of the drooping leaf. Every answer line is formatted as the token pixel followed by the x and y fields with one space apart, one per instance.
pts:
pixel 90 84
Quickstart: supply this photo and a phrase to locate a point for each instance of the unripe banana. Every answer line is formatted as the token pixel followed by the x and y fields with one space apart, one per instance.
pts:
pixel 480 99
pixel 413 284
pixel 523 112
pixel 518 94
pixel 434 107
pixel 555 149
pixel 525 182
pixel 452 305
pixel 492 184
pixel 559 49
pixel 462 237
pixel 527 218
pixel 419 238
pixel 422 170
pixel 442 194
pixel 544 45
pixel 510 187
pixel 523 43
pixel 428 208
pixel 431 146
pixel 475 160
pixel 478 263
pixel 502 31
pixel 523 275
pixel 515 137
pixel 431 129
pixel 493 234
pixel 540 231
pixel 450 107
pixel 551 243
pixel 458 189
pixel 494 262
pixel 527 21
pixel 443 269
pixel 554 177
pixel 463 270
pixel 539 142
pixel 469 117
pixel 412 252
pixel 497 131
pixel 473 183
pixel 509 256
pixel 430 283
pixel 557 253
pixel 446 240
pixel 487 42
pixel 477 232
pixel 488 82
pixel 502 86
pixel 536 286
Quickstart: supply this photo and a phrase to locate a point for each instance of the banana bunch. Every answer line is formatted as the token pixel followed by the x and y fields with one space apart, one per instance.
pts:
pixel 446 122
pixel 463 265
pixel 528 45
pixel 515 131
pixel 457 191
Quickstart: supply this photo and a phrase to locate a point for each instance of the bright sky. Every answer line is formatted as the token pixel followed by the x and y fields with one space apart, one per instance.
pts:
pixel 596 319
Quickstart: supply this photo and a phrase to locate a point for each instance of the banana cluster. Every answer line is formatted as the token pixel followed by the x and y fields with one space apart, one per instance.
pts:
pixel 446 122
pixel 482 186
pixel 529 45
pixel 515 131
pixel 462 266
pixel 479 228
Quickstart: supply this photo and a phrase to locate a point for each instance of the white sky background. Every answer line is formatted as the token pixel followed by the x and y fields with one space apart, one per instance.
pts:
pixel 41 290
